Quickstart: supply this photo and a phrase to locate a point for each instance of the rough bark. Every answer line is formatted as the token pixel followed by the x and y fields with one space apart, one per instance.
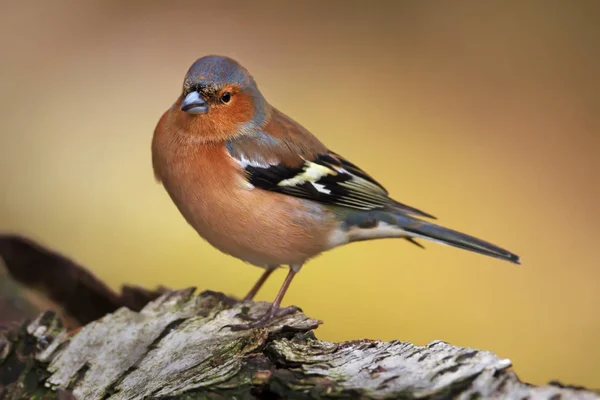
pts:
pixel 178 346
pixel 136 345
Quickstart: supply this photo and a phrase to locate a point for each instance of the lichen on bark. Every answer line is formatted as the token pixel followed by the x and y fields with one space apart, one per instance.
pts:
pixel 179 347
pixel 98 344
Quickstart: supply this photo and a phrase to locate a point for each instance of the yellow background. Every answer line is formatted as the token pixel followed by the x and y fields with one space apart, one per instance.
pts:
pixel 485 114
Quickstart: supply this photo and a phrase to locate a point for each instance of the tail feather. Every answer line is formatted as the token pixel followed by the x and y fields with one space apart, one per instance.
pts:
pixel 413 241
pixel 421 229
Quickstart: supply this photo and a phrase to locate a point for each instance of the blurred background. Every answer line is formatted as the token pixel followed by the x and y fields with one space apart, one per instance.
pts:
pixel 485 114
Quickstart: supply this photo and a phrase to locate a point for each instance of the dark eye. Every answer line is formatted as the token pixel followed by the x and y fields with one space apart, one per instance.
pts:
pixel 226 97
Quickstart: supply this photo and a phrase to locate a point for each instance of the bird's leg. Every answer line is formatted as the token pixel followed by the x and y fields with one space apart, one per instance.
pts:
pixel 274 311
pixel 263 278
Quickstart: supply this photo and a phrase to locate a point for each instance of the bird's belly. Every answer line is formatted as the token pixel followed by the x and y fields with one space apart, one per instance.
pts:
pixel 259 227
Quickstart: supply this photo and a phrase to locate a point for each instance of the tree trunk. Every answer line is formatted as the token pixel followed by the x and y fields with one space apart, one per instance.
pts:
pixel 142 344
pixel 179 346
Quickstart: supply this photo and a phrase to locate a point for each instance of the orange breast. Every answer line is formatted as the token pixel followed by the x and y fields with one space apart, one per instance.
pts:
pixel 260 227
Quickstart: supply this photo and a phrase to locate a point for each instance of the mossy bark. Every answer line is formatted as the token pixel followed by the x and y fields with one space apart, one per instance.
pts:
pixel 178 347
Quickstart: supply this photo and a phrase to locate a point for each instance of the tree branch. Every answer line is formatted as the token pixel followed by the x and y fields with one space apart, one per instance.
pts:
pixel 179 347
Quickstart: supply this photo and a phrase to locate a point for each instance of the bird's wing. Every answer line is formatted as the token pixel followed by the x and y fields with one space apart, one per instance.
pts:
pixel 286 158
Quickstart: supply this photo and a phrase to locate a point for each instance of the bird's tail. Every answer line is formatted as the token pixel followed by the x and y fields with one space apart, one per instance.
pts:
pixel 419 229
pixel 388 224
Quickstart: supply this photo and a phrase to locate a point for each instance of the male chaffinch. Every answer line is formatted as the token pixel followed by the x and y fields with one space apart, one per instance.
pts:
pixel 258 186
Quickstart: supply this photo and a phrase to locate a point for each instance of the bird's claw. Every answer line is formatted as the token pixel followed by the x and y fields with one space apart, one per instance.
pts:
pixel 280 312
pixel 263 320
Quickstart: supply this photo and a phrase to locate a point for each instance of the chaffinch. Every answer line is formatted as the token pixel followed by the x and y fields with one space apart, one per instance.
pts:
pixel 258 186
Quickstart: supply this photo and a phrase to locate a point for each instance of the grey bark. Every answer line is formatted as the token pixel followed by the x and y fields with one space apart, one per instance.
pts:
pixel 178 346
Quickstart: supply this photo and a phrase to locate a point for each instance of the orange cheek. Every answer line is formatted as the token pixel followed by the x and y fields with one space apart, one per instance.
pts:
pixel 239 111
pixel 222 120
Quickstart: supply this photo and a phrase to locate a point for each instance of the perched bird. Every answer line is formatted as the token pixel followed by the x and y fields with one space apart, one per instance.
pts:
pixel 258 186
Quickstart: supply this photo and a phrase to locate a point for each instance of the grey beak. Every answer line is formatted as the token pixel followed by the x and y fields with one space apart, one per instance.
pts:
pixel 194 104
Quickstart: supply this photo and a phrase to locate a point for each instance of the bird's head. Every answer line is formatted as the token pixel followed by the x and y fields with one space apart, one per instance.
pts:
pixel 220 98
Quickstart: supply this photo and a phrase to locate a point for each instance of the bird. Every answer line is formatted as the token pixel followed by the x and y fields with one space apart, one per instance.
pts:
pixel 258 186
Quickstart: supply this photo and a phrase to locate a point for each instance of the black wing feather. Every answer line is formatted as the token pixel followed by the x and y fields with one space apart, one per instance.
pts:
pixel 328 179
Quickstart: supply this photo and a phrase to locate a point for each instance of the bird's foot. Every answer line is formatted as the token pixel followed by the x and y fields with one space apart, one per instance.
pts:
pixel 272 312
pixel 263 320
